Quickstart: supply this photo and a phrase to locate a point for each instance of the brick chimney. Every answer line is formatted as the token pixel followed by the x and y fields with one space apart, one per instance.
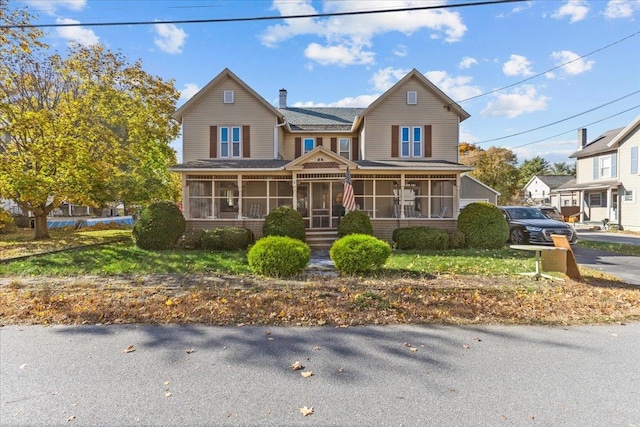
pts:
pixel 582 138
pixel 283 98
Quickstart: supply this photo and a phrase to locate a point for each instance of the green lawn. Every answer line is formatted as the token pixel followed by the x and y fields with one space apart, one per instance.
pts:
pixel 621 248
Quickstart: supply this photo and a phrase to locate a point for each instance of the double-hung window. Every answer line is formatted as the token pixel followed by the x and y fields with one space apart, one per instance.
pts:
pixel 230 138
pixel 634 160
pixel 345 147
pixel 605 167
pixel 411 141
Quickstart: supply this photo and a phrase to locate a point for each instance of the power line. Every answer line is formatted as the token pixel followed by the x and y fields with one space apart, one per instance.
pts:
pixel 265 18
pixel 559 121
pixel 550 69
pixel 584 126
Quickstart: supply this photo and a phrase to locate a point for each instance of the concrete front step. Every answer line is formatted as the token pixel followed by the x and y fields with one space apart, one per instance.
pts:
pixel 321 239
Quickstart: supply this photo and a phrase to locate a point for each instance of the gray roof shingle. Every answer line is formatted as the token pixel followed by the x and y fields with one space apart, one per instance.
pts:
pixel 598 145
pixel 555 181
pixel 320 118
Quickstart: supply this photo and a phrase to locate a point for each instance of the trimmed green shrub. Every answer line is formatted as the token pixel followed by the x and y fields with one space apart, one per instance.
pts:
pixel 191 239
pixel 483 225
pixel 284 221
pixel 421 238
pixel 160 226
pixel 278 256
pixel 7 225
pixel 355 222
pixel 456 238
pixel 359 253
pixel 227 239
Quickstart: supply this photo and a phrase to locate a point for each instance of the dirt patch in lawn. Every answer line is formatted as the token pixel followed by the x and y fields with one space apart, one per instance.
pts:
pixel 238 300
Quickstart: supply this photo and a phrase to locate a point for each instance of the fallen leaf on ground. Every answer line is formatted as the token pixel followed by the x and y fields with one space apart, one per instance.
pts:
pixel 191 350
pixel 413 349
pixel 167 394
pixel 71 418
pixel 296 366
pixel 307 374
pixel 306 411
pixel 466 346
pixel 317 348
pixel 129 349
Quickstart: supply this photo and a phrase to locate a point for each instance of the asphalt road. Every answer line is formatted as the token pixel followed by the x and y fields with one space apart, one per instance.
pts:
pixel 625 267
pixel 362 376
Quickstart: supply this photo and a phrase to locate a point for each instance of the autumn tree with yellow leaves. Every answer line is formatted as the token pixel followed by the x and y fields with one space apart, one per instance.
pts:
pixel 89 128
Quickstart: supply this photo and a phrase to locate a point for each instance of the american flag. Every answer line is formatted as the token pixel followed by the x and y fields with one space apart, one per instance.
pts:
pixel 348 198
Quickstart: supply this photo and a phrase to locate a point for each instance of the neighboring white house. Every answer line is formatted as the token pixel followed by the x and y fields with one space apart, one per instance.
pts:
pixel 540 190
pixel 607 177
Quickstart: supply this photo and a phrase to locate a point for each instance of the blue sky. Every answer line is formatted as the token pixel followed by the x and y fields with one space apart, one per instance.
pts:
pixel 350 60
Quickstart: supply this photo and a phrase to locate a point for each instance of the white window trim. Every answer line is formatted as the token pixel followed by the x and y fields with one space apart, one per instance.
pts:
pixel 625 195
pixel 228 97
pixel 230 142
pixel 603 159
pixel 411 142
pixel 412 97
pixel 304 144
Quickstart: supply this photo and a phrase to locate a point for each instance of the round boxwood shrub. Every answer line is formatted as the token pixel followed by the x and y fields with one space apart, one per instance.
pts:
pixel 284 221
pixel 191 239
pixel 227 239
pixel 359 253
pixel 422 238
pixel 160 226
pixel 355 222
pixel 278 256
pixel 483 226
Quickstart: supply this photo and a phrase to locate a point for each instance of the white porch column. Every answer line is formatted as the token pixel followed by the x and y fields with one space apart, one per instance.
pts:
pixel 609 203
pixel 402 183
pixel 185 197
pixel 581 204
pixel 294 184
pixel 239 184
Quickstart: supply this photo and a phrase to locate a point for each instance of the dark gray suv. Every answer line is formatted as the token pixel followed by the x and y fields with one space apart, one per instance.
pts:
pixel 529 225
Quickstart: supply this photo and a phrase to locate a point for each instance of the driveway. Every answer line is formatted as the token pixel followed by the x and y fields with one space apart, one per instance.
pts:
pixel 625 267
pixel 362 376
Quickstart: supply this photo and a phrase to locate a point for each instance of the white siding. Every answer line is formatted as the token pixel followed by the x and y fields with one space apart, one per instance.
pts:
pixel 629 211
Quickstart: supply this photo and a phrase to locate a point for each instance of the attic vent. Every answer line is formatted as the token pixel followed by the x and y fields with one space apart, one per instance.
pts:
pixel 228 97
pixel 412 97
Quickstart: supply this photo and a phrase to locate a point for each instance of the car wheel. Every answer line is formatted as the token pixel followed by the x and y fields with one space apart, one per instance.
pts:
pixel 517 236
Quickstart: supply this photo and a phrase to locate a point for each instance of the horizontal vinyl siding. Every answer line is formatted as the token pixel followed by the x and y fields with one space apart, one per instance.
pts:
pixel 211 111
pixel 584 170
pixel 395 111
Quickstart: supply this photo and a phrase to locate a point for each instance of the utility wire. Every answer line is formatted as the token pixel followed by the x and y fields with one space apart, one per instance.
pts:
pixel 266 18
pixel 559 121
pixel 549 70
pixel 581 127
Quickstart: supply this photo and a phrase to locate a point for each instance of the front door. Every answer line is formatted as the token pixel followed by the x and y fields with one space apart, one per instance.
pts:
pixel 320 204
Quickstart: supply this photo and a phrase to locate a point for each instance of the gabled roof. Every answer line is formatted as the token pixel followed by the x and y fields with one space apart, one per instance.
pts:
pixel 202 93
pixel 321 118
pixel 552 181
pixel 598 145
pixel 320 154
pixel 415 74
pixel 615 142
pixel 467 176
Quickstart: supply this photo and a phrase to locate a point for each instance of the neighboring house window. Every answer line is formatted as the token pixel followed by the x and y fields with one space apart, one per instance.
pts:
pixel 595 199
pixel 411 141
pixel 309 144
pixel 230 138
pixel 628 196
pixel 345 147
pixel 605 167
pixel 634 160
pixel 412 97
pixel 228 97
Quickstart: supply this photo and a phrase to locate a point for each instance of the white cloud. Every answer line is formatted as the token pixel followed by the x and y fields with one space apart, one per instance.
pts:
pixel 467 62
pixel 521 100
pixel 457 88
pixel 341 55
pixel 79 35
pixel 522 7
pixel 576 10
pixel 170 38
pixel 361 101
pixel 49 6
pixel 348 38
pixel 517 65
pixel 387 77
pixel 621 8
pixel 401 51
pixel 466 135
pixel 577 66
pixel 188 90
pixel 552 151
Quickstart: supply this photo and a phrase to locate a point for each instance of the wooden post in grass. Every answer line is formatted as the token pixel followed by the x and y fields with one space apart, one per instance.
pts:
pixel 572 265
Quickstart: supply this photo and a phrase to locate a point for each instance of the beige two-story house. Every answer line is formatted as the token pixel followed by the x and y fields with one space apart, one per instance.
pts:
pixel 243 157
pixel 607 177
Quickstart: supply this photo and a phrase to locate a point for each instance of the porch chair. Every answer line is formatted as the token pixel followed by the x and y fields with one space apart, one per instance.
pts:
pixel 397 210
pixel 409 211
pixel 255 210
